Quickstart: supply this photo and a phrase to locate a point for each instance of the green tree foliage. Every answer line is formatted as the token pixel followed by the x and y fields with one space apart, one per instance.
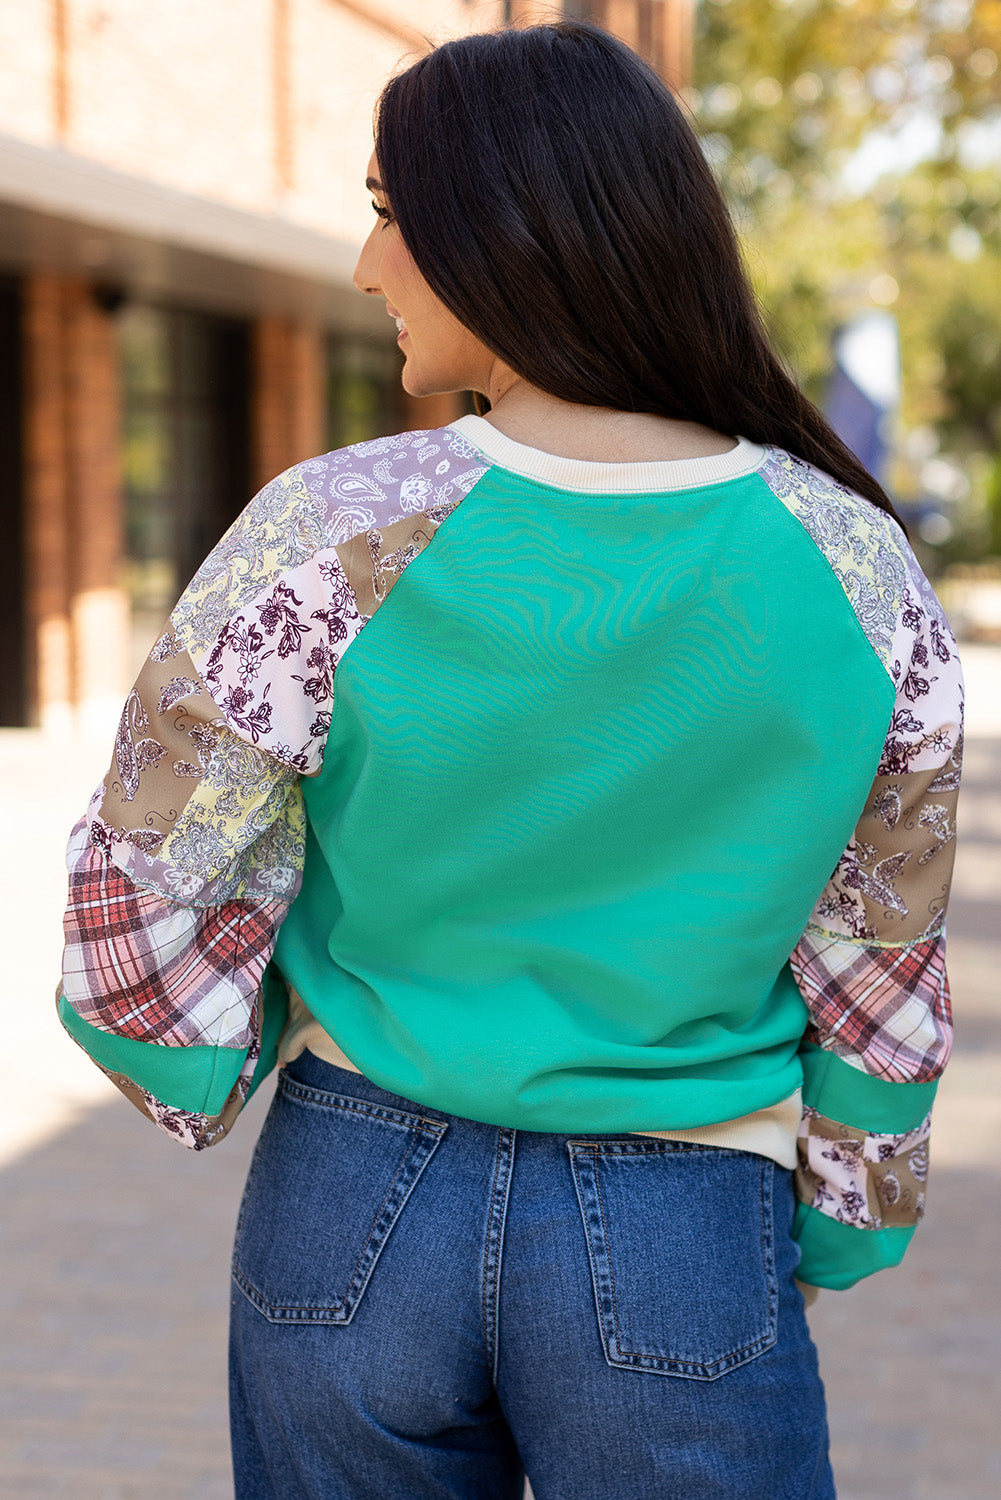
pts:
pixel 859 145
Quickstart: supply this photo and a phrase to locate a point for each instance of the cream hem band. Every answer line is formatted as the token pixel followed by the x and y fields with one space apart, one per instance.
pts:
pixel 768 1132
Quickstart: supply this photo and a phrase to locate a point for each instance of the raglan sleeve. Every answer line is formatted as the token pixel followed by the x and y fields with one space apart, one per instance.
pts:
pixel 871 968
pixel 192 848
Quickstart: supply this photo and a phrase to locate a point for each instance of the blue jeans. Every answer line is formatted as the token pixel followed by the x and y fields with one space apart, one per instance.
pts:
pixel 426 1307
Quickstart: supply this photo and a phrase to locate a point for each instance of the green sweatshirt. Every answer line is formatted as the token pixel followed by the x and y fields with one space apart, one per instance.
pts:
pixel 570 797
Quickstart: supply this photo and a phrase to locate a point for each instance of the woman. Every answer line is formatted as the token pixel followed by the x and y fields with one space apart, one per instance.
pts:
pixel 558 719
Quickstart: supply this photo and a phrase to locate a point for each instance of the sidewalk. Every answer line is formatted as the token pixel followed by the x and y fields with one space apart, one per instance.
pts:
pixel 114 1243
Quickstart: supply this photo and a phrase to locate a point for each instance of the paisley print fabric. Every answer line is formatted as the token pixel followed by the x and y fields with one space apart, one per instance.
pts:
pixel 864 1180
pixel 269 616
pixel 316 506
pixel 893 603
pixel 871 962
pixel 892 882
pixel 192 849
pixel 862 544
pixel 189 809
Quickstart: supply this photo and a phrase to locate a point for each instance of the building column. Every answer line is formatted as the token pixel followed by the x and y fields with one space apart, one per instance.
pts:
pixel 47 543
pixel 288 377
pixel 621 18
pixel 77 612
pixel 99 606
pixel 676 23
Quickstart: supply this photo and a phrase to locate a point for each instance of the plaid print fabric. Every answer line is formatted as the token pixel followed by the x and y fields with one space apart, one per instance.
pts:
pixel 883 1009
pixel 141 966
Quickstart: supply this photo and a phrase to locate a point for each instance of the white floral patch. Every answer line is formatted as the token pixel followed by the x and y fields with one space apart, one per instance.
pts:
pixel 183 883
pixel 859 1179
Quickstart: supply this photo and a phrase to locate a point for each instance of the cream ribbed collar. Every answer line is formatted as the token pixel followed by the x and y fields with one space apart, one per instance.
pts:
pixel 604 478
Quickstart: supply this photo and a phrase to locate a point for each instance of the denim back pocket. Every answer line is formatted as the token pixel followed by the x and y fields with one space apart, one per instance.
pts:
pixel 329 1179
pixel 681 1243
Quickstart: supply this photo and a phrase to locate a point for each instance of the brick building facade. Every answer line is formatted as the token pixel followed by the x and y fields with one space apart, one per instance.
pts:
pixel 180 211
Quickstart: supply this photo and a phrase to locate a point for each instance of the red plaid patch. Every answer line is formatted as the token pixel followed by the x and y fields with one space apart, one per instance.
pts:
pixel 888 1006
pixel 144 967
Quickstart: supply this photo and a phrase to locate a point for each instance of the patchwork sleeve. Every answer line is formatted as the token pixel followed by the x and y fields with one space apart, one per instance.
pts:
pixel 871 968
pixel 191 851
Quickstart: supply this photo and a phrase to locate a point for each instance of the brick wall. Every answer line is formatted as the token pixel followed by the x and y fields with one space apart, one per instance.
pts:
pixel 76 611
pixel 262 104
pixel 287 396
pixel 47 541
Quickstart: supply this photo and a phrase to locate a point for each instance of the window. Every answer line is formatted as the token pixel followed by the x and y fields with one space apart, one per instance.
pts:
pixel 364 395
pixel 185 449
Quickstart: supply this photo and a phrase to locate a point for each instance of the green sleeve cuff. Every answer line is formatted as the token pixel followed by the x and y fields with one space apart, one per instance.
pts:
pixel 836 1255
pixel 196 1079
pixel 843 1093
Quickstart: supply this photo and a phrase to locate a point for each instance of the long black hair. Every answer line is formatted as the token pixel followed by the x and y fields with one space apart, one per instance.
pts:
pixel 554 197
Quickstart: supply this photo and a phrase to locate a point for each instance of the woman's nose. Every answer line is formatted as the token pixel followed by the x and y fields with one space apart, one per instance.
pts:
pixel 365 277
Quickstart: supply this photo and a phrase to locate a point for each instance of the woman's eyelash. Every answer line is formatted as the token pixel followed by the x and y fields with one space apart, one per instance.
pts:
pixel 382 212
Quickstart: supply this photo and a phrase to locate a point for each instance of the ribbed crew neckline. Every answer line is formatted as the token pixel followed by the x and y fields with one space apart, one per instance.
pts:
pixel 607 478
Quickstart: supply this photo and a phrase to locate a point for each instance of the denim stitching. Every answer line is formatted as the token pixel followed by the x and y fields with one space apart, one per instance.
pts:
pixel 436 1129
pixel 608 1256
pixel 320 1098
pixel 768 1238
pixel 499 1190
pixel 651 1362
pixel 575 1149
pixel 286 1307
pixel 731 1354
pixel 486 1251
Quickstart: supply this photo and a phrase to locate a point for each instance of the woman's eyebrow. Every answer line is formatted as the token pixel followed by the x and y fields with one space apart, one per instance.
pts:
pixel 374 184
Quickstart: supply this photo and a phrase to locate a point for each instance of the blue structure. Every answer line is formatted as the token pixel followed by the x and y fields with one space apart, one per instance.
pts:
pixel 864 391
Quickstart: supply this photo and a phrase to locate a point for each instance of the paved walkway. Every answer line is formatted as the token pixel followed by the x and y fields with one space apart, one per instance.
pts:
pixel 114 1243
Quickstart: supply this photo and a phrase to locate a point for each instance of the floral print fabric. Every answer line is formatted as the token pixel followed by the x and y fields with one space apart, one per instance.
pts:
pixel 864 1180
pixel 189 808
pixel 269 616
pixel 892 882
pixel 871 962
pixel 864 548
pixel 193 847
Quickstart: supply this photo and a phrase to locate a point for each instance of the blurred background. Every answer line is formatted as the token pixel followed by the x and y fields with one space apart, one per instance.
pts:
pixel 181 205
